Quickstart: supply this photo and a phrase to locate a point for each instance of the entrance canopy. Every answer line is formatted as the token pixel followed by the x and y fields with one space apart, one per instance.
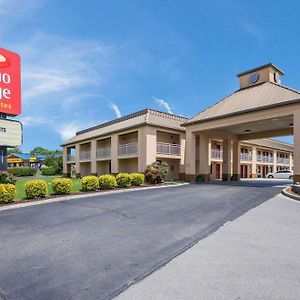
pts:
pixel 261 108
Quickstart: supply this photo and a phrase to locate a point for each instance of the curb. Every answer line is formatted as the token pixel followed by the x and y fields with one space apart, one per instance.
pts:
pixel 290 195
pixel 73 197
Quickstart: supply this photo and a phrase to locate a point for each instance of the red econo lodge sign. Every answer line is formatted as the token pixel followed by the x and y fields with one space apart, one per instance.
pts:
pixel 10 83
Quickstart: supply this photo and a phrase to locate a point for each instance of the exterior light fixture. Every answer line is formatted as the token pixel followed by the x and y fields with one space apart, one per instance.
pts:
pixel 291 125
pixel 247 131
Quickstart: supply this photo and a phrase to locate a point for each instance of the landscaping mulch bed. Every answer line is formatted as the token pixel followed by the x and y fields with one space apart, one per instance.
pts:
pixel 85 193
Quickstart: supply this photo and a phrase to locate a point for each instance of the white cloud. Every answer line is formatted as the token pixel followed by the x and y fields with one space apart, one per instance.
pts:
pixel 115 109
pixel 252 30
pixel 164 104
pixel 34 120
pixel 68 130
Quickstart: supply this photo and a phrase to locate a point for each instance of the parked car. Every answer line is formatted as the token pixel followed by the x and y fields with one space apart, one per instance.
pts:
pixel 282 174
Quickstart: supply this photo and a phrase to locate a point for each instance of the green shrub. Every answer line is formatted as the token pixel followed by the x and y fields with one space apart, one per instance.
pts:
pixel 123 180
pixel 48 171
pixel 107 182
pixel 6 177
pixel 61 186
pixel 22 171
pixel 7 192
pixel 156 172
pixel 137 178
pixel 36 189
pixel 90 183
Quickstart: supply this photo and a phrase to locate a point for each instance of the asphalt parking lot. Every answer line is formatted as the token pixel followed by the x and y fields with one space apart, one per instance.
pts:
pixel 94 248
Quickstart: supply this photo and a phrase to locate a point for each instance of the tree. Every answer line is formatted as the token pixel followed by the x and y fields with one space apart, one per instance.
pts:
pixel 55 161
pixel 44 151
pixel 14 150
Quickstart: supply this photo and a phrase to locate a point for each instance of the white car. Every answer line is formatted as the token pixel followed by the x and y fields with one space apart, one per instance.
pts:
pixel 282 174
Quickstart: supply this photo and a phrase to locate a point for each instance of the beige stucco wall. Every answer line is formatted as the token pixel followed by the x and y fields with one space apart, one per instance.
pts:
pixel 128 165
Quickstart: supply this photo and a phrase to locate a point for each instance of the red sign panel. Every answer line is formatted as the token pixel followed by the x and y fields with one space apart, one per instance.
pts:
pixel 10 83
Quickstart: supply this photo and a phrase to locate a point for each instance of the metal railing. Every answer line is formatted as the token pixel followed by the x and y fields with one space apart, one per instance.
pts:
pixel 246 156
pixel 216 154
pixel 70 157
pixel 85 155
pixel 168 149
pixel 264 159
pixel 281 160
pixel 128 149
pixel 103 153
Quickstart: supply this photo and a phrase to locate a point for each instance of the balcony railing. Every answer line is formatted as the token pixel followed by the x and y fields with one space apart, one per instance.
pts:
pixel 85 155
pixel 103 153
pixel 70 157
pixel 281 160
pixel 217 154
pixel 128 149
pixel 246 156
pixel 265 159
pixel 168 149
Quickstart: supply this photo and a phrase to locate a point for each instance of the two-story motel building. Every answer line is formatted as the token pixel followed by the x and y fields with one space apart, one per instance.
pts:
pixel 130 143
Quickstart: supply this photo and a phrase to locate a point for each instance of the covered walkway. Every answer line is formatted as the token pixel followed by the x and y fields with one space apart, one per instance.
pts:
pixel 261 108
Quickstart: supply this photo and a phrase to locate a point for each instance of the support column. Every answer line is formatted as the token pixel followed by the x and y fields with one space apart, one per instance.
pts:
pixel 204 163
pixel 114 154
pixel 182 156
pixel 93 158
pixel 236 160
pixel 147 141
pixel 77 160
pixel 254 162
pixel 190 156
pixel 226 174
pixel 274 160
pixel 297 146
pixel 291 161
pixel 65 165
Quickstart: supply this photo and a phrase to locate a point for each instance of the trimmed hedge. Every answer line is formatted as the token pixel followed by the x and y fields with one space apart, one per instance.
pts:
pixel 48 171
pixel 36 189
pixel 123 180
pixel 61 186
pixel 7 193
pixel 107 182
pixel 90 183
pixel 22 171
pixel 6 177
pixel 137 179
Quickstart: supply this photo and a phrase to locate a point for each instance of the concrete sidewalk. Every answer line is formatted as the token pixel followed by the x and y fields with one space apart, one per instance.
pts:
pixel 256 256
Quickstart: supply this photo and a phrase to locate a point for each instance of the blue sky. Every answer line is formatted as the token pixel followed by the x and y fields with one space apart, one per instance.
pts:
pixel 86 62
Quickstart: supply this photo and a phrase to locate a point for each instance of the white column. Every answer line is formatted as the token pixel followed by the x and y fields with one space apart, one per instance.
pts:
pixel 204 155
pixel 236 159
pixel 77 160
pixel 226 172
pixel 254 161
pixel 190 156
pixel 93 157
pixel 65 165
pixel 114 154
pixel 297 146
pixel 274 160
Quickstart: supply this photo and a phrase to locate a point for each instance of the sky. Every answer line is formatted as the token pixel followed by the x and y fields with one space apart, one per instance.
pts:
pixel 87 62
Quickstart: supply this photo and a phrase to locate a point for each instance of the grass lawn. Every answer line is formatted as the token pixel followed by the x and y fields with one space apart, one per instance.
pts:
pixel 22 180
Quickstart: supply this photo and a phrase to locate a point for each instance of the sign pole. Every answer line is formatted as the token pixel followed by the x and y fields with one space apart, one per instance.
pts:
pixel 3 151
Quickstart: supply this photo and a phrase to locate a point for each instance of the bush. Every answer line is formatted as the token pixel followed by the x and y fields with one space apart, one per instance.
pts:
pixel 61 186
pixel 48 171
pixel 123 180
pixel 107 182
pixel 55 161
pixel 6 177
pixel 7 193
pixel 36 189
pixel 90 183
pixel 137 178
pixel 156 172
pixel 22 171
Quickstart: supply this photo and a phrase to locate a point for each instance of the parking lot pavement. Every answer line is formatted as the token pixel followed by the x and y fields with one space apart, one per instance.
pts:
pixel 95 247
pixel 254 257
